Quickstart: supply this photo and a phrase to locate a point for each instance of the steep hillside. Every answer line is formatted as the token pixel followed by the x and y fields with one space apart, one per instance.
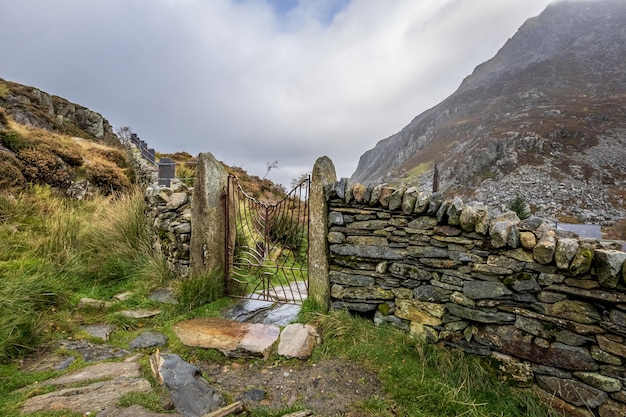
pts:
pixel 543 119
pixel 47 140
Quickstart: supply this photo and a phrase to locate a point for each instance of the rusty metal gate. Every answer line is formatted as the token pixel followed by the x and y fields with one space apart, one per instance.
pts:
pixel 267 245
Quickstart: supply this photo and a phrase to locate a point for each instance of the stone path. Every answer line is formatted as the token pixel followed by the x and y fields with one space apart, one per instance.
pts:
pixel 115 372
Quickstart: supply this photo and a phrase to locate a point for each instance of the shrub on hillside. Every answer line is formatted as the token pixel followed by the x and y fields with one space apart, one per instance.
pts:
pixel 11 169
pixel 113 155
pixel 14 141
pixel 42 167
pixel 520 207
pixel 73 157
pixel 108 178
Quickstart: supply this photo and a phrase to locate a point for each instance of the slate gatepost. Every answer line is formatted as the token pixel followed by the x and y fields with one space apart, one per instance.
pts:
pixel 322 177
pixel 208 248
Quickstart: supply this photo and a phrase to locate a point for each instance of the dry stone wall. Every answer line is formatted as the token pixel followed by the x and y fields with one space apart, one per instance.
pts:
pixel 169 215
pixel 550 307
pixel 145 171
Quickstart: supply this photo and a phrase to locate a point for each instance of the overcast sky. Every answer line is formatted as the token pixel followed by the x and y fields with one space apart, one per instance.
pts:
pixel 256 81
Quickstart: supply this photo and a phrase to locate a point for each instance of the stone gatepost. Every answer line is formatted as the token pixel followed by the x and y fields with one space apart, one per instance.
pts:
pixel 208 247
pixel 323 175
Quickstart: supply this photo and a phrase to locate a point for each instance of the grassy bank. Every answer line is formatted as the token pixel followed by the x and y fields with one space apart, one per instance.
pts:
pixel 56 251
pixel 421 379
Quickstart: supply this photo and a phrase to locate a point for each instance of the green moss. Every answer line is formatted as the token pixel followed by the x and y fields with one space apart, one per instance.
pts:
pixel 383 308
pixel 486 175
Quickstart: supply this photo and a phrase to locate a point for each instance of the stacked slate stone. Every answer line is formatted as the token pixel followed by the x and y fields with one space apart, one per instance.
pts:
pixel 169 214
pixel 145 172
pixel 549 307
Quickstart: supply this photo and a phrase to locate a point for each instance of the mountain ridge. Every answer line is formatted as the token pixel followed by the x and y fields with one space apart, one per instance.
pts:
pixel 544 117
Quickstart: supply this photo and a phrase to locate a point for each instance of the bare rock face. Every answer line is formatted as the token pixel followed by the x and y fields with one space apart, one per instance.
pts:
pixel 33 107
pixel 234 339
pixel 542 119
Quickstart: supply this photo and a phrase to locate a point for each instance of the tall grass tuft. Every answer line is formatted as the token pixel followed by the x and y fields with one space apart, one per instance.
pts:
pixel 117 243
pixel 54 249
pixel 27 294
pixel 200 289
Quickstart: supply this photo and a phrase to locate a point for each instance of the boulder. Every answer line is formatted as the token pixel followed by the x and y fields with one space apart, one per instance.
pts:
pixel 608 265
pixel 298 341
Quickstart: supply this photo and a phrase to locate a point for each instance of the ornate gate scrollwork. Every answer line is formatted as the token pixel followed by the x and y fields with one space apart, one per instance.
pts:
pixel 267 245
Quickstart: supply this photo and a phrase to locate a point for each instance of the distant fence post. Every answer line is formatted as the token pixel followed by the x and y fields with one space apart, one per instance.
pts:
pixel 167 171
pixel 323 175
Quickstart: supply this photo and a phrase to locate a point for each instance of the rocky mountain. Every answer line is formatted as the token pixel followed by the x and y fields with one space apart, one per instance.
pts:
pixel 32 107
pixel 544 119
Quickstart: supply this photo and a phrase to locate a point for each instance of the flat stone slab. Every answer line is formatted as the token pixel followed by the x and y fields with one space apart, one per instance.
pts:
pixel 283 314
pixel 140 314
pixel 123 296
pixel 148 340
pixel 233 339
pixel 132 411
pixel 86 302
pixel 48 362
pixel 90 398
pixel 106 370
pixel 93 353
pixel 164 295
pixel 102 331
pixel 295 291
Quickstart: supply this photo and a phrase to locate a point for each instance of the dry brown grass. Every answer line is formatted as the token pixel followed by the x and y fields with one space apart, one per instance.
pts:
pixel 44 157
pixel 615 232
pixel 11 169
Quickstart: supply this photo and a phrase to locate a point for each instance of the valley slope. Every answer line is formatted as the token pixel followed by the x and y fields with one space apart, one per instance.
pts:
pixel 544 119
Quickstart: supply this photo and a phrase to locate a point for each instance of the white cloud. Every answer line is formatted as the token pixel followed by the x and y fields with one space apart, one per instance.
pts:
pixel 248 84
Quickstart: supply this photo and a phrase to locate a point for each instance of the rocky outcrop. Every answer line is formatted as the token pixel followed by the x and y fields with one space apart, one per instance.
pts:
pixel 32 107
pixel 542 119
pixel 550 306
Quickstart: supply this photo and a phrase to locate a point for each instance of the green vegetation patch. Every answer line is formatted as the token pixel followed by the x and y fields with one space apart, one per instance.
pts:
pixel 421 379
pixel 4 90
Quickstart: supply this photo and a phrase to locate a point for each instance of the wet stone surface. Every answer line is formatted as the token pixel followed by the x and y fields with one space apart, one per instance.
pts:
pixel 265 312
